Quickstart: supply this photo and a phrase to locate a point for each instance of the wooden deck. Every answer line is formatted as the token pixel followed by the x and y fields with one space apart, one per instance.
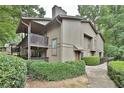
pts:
pixel 38 40
pixel 35 40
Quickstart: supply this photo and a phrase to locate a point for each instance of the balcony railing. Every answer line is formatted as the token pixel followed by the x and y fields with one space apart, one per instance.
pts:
pixel 38 40
pixel 35 40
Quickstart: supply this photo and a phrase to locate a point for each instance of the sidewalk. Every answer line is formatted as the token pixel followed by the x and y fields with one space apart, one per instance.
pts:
pixel 98 78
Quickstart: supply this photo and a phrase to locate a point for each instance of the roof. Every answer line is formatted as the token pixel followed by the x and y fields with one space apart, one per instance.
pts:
pixel 70 17
pixel 58 19
pixel 83 21
pixel 102 37
pixel 23 28
pixel 36 18
pixel 41 22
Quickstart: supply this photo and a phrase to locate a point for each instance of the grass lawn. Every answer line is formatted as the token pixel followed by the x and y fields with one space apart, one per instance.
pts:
pixel 78 82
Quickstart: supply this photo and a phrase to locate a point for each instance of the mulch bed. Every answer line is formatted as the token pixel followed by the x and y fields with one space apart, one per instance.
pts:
pixel 78 82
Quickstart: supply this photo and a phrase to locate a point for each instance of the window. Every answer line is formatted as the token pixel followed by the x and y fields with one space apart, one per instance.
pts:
pixel 87 42
pixel 54 46
pixel 100 54
pixel 82 54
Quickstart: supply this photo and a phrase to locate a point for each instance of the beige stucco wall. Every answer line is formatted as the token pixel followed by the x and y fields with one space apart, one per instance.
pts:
pixel 100 45
pixel 67 53
pixel 72 34
pixel 51 34
pixel 88 30
pixel 69 34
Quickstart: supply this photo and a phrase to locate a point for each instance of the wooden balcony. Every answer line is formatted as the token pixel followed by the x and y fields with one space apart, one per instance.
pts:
pixel 35 41
pixel 38 40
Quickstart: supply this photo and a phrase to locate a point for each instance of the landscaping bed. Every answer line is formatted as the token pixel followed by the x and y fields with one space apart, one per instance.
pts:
pixel 56 71
pixel 14 72
pixel 78 82
pixel 91 60
pixel 116 72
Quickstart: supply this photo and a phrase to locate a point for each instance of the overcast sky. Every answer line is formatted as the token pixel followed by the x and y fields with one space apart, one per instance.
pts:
pixel 70 9
pixel 68 5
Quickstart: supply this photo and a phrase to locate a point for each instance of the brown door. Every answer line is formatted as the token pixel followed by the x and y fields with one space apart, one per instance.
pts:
pixel 77 55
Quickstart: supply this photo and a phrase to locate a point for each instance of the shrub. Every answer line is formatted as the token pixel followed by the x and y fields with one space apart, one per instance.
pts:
pixel 12 71
pixel 29 62
pixel 91 60
pixel 116 72
pixel 57 70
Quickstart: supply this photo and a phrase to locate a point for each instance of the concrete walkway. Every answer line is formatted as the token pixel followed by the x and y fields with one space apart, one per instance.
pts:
pixel 98 78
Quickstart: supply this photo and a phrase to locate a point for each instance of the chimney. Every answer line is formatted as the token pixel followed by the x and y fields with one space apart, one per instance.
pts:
pixel 58 11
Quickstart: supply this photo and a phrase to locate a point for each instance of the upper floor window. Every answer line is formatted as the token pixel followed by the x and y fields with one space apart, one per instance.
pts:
pixel 87 42
pixel 54 46
pixel 82 54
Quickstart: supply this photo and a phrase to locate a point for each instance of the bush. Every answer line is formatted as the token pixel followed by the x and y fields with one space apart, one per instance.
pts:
pixel 116 72
pixel 92 60
pixel 12 71
pixel 29 62
pixel 57 70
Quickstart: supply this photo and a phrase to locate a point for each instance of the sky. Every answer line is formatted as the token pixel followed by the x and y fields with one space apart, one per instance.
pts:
pixel 70 6
pixel 70 9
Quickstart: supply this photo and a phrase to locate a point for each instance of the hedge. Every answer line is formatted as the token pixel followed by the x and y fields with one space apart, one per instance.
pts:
pixel 12 71
pixel 56 70
pixel 29 62
pixel 116 72
pixel 91 60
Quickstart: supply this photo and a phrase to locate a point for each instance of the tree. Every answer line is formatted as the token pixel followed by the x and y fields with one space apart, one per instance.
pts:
pixel 90 12
pixel 32 11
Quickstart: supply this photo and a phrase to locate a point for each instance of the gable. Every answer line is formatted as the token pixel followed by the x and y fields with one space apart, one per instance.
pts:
pixel 87 29
pixel 88 25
